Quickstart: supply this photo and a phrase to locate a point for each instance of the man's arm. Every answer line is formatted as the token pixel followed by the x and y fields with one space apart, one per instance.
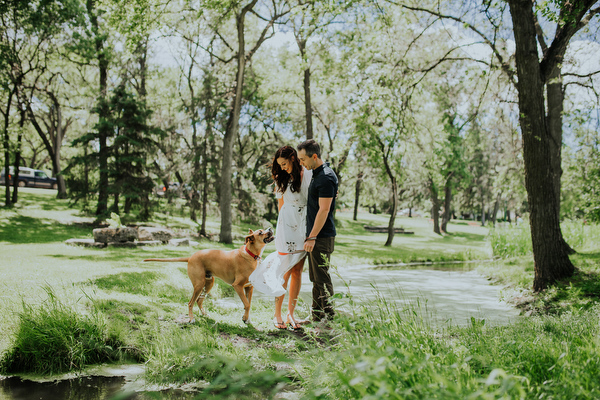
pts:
pixel 324 205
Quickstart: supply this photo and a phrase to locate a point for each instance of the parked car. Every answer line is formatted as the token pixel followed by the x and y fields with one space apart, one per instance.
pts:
pixel 29 177
pixel 173 188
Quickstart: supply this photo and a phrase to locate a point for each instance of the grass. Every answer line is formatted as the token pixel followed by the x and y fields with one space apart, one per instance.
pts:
pixel 515 268
pixel 380 349
pixel 55 338
pixel 386 352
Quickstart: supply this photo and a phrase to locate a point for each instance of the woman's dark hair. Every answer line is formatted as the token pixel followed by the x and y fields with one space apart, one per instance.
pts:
pixel 282 178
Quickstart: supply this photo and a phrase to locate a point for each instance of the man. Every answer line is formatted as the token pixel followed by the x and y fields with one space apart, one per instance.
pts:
pixel 320 228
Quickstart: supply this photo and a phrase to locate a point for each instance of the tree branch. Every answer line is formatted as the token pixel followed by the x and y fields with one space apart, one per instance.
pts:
pixel 505 66
pixel 564 32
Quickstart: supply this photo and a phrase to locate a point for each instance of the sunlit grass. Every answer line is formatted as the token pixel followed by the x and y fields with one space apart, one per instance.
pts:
pixel 391 352
pixel 464 242
pixel 54 337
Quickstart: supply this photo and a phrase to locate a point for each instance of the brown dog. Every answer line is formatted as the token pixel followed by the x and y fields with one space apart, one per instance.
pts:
pixel 233 267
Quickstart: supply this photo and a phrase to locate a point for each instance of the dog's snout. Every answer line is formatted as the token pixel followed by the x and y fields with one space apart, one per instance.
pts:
pixel 270 237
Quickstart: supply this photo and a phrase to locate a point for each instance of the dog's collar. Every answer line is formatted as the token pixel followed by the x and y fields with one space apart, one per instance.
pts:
pixel 255 256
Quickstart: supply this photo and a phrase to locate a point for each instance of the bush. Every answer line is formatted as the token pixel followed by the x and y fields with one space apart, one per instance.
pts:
pixel 53 338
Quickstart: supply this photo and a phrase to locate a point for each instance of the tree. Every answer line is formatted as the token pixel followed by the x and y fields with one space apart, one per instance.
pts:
pixel 550 255
pixel 242 54
pixel 311 17
pixel 96 49
pixel 28 31
pixel 537 77
pixel 55 126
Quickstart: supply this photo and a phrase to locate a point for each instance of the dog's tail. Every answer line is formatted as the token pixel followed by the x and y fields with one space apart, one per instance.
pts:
pixel 182 259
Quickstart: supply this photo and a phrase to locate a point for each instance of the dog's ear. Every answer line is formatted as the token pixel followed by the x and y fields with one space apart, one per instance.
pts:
pixel 249 238
pixel 250 232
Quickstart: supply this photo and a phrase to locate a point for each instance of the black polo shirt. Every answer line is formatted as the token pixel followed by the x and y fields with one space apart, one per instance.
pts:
pixel 324 183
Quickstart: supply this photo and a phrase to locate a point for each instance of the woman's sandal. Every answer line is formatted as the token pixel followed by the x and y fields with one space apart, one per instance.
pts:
pixel 293 323
pixel 279 325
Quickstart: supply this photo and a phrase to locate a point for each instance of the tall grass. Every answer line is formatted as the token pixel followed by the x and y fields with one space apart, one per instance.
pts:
pixel 225 366
pixel 392 353
pixel 515 240
pixel 54 338
pixel 511 241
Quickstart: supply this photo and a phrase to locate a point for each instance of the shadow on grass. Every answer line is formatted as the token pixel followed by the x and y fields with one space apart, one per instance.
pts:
pixel 21 229
pixel 125 254
pixel 248 333
pixel 578 292
pixel 463 236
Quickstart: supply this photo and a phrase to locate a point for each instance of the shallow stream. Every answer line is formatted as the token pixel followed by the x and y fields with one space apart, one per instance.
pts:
pixel 449 294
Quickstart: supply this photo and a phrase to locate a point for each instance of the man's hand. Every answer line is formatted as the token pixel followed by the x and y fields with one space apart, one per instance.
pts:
pixel 309 245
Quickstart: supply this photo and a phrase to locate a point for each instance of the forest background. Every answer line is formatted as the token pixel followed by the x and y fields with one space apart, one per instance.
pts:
pixel 472 109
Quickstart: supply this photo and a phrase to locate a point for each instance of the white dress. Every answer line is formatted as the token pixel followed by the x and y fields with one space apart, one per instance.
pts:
pixel 289 241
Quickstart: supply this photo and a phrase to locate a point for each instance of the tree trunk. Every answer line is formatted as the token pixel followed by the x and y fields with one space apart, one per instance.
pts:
pixel 15 193
pixel 496 208
pixel 103 111
pixel 115 206
pixel 392 221
pixel 447 204
pixel 482 208
pixel 86 172
pixel 551 261
pixel 359 179
pixel 230 134
pixel 301 41
pixel 435 207
pixel 6 138
pixel 211 115
pixel 308 104
pixel 555 99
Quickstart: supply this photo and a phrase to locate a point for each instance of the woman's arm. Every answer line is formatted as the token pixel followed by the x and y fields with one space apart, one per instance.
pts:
pixel 279 203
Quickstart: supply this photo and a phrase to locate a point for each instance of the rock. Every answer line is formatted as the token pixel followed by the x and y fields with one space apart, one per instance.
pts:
pixel 150 233
pixel 84 243
pixel 148 243
pixel 110 235
pixel 179 242
pixel 182 242
pixel 122 244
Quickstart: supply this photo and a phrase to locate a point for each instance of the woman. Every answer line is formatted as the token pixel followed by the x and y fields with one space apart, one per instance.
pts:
pixel 285 264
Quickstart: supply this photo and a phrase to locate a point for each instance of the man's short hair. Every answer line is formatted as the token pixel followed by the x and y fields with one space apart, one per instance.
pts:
pixel 310 147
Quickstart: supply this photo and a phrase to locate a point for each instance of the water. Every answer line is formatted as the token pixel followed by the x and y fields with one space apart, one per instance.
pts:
pixel 451 295
pixel 102 383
